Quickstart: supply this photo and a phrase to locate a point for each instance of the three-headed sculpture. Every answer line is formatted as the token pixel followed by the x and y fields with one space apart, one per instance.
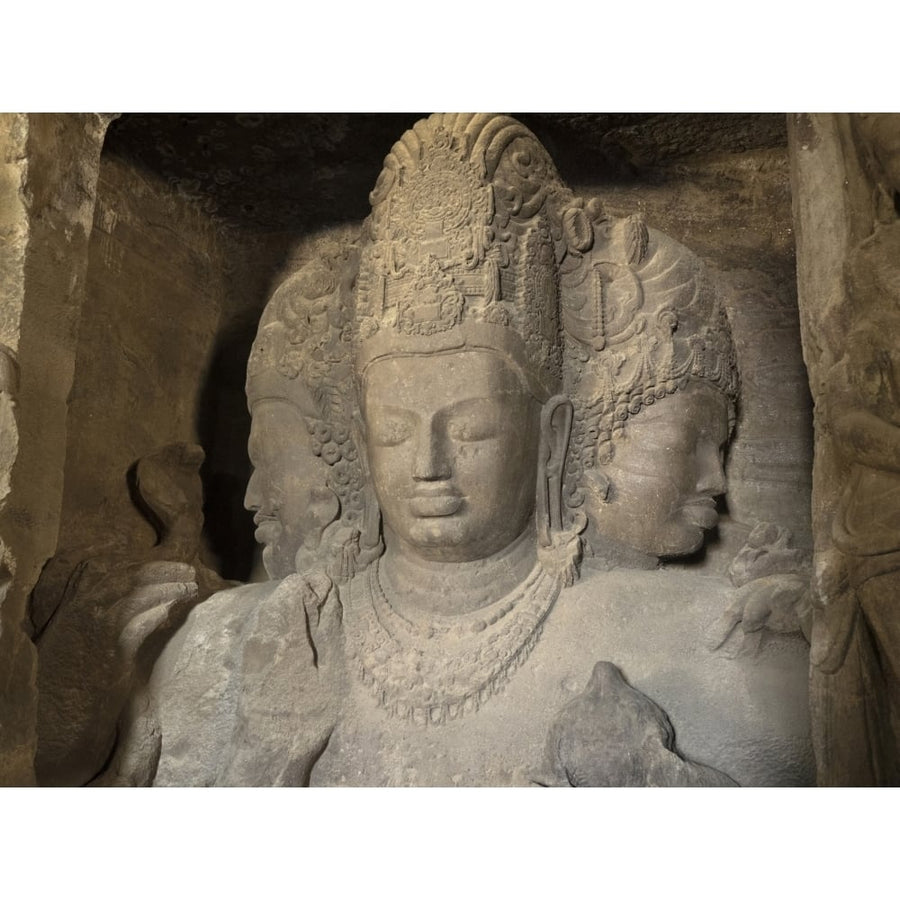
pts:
pixel 469 652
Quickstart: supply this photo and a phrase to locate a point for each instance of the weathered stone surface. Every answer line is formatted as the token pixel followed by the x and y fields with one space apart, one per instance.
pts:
pixel 731 205
pixel 468 642
pixel 244 693
pixel 584 747
pixel 48 174
pixel 846 176
pixel 102 620
pixel 147 337
pixel 460 649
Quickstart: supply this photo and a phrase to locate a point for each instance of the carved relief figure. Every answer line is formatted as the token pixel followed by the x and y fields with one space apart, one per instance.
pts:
pixel 856 636
pixel 468 662
pixel 651 370
pixel 252 659
pixel 307 478
pixel 467 654
pixel 101 621
pixel 458 360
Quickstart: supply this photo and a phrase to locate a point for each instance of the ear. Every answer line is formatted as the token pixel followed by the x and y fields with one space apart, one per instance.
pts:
pixel 556 427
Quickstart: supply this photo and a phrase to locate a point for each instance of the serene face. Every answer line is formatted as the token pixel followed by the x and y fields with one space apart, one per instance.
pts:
pixel 665 474
pixel 287 490
pixel 452 442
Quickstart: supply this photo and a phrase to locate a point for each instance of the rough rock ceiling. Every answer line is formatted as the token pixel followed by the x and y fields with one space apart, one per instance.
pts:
pixel 281 171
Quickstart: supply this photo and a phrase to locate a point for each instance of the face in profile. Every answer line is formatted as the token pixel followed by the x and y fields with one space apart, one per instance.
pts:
pixel 452 442
pixel 665 474
pixel 287 492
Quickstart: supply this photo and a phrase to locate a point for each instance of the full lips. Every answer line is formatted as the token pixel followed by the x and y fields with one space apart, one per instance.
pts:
pixel 702 513
pixel 267 529
pixel 435 507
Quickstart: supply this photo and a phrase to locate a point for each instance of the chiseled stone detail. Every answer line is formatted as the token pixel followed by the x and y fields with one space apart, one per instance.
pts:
pixel 429 619
pixel 846 183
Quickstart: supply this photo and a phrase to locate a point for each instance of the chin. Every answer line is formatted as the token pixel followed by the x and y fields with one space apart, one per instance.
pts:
pixel 688 541
pixel 436 532
pixel 275 564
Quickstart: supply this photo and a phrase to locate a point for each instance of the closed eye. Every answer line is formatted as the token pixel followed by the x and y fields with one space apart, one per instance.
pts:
pixel 474 420
pixel 389 427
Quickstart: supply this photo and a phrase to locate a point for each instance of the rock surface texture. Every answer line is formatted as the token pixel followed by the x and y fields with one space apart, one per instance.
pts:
pixel 48 181
pixel 846 177
pixel 518 413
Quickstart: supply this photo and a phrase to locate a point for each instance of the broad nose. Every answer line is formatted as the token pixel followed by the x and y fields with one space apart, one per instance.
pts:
pixel 432 460
pixel 253 494
pixel 711 476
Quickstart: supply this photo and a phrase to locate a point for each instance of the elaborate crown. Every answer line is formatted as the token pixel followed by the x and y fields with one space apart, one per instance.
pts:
pixel 301 354
pixel 462 251
pixel 641 317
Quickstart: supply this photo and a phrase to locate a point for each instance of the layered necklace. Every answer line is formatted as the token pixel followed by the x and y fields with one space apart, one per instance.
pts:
pixel 435 671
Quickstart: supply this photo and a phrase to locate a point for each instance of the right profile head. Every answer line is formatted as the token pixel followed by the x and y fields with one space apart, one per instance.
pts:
pixel 651 370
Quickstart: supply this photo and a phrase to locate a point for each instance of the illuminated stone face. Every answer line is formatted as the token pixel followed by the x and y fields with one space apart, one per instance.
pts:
pixel 452 443
pixel 665 475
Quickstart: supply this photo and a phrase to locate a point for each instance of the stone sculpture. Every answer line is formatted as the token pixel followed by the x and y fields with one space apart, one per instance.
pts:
pixel 856 632
pixel 307 479
pixel 652 373
pixel 773 591
pixel 469 652
pixel 243 693
pixel 428 643
pixel 116 609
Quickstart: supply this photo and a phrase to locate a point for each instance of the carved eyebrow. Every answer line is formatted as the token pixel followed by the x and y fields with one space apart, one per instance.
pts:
pixel 387 409
pixel 462 406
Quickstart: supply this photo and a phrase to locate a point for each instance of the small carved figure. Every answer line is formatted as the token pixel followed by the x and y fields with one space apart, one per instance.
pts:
pixel 773 591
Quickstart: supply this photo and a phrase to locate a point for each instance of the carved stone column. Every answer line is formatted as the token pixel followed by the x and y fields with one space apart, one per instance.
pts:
pixel 846 178
pixel 48 177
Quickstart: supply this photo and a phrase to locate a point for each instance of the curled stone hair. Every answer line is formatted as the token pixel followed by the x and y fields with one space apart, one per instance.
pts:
pixel 641 319
pixel 301 354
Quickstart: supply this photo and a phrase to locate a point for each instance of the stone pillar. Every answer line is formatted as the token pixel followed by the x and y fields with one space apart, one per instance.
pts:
pixel 846 184
pixel 48 177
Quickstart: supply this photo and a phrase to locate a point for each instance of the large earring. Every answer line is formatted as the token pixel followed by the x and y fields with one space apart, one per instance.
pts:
pixel 559 543
pixel 370 543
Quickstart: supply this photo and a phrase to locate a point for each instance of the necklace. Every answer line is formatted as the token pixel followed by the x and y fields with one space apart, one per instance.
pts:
pixel 435 670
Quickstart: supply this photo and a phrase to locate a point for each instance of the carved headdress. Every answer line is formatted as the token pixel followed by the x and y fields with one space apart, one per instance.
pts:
pixel 641 318
pixel 301 354
pixel 462 251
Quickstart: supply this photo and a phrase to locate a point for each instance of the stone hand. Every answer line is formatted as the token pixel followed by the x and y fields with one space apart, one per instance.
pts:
pixel 98 645
pixel 612 735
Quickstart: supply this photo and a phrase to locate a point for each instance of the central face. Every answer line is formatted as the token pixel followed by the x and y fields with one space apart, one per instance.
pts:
pixel 452 446
pixel 287 491
pixel 665 474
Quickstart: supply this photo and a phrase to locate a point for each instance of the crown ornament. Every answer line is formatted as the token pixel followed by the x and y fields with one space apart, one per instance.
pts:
pixel 462 248
pixel 641 318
